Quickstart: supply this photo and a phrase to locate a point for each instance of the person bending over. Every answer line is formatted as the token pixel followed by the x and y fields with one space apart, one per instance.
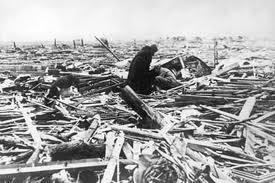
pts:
pixel 140 78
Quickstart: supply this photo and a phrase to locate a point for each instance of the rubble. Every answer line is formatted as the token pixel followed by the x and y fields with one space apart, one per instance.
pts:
pixel 218 126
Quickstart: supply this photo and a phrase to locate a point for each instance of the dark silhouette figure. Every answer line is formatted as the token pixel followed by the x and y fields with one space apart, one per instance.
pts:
pixel 140 77
pixel 63 82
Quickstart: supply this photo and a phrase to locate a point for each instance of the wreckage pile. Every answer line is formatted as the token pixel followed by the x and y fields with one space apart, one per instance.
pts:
pixel 215 127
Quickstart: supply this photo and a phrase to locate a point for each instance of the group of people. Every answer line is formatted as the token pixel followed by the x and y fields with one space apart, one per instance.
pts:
pixel 140 78
pixel 143 80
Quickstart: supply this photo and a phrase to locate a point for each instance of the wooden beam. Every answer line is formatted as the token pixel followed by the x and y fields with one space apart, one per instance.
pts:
pixel 219 147
pixel 19 170
pixel 247 108
pixel 138 132
pixel 244 114
pixel 128 150
pixel 153 117
pixel 109 172
pixel 107 48
pixel 261 133
pixel 110 140
pixel 222 112
pixel 226 69
pixel 34 133
pixel 264 117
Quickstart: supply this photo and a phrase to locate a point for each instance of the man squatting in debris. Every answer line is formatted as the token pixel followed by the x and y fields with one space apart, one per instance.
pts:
pixel 141 79
pixel 60 85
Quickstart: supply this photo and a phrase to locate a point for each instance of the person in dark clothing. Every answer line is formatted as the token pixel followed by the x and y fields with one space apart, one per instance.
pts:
pixel 61 83
pixel 140 77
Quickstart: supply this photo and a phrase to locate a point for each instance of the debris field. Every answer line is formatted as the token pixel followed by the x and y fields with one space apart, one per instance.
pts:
pixel 214 127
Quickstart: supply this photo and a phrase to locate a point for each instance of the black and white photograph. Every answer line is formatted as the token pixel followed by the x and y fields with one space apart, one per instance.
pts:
pixel 137 91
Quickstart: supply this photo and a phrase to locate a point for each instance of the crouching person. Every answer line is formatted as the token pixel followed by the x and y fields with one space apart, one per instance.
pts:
pixel 60 87
pixel 166 79
pixel 140 76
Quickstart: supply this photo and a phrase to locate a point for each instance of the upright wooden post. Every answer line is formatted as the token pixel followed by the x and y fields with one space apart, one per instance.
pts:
pixel 55 43
pixel 216 62
pixel 74 44
pixel 82 42
pixel 14 45
pixel 135 43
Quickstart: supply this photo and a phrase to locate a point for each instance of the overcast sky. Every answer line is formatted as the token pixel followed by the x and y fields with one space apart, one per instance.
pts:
pixel 33 20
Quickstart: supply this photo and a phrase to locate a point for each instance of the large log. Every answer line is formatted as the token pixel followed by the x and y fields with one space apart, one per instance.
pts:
pixel 150 116
pixel 76 150
pixel 80 148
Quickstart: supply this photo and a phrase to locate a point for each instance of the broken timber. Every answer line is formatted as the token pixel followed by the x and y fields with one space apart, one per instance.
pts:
pixel 109 172
pixel 34 133
pixel 107 49
pixel 147 113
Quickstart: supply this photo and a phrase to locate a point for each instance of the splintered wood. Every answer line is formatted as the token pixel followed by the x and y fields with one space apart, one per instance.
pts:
pixel 216 127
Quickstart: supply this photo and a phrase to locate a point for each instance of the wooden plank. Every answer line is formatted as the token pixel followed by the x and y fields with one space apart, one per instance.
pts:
pixel 226 69
pixel 247 108
pixel 109 172
pixel 34 133
pixel 262 127
pixel 222 112
pixel 169 124
pixel 248 142
pixel 261 133
pixel 110 141
pixel 128 150
pixel 187 99
pixel 107 49
pixel 264 117
pixel 51 167
pixel 92 128
pixel 136 150
pixel 219 147
pixel 21 118
pixel 137 132
pixel 244 114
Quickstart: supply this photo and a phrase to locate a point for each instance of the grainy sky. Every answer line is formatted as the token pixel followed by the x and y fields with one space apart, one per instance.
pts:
pixel 33 20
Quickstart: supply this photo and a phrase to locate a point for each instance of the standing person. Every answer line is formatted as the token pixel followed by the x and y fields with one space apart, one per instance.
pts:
pixel 140 77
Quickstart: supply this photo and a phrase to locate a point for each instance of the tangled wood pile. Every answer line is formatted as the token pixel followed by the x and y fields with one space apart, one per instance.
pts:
pixel 214 128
